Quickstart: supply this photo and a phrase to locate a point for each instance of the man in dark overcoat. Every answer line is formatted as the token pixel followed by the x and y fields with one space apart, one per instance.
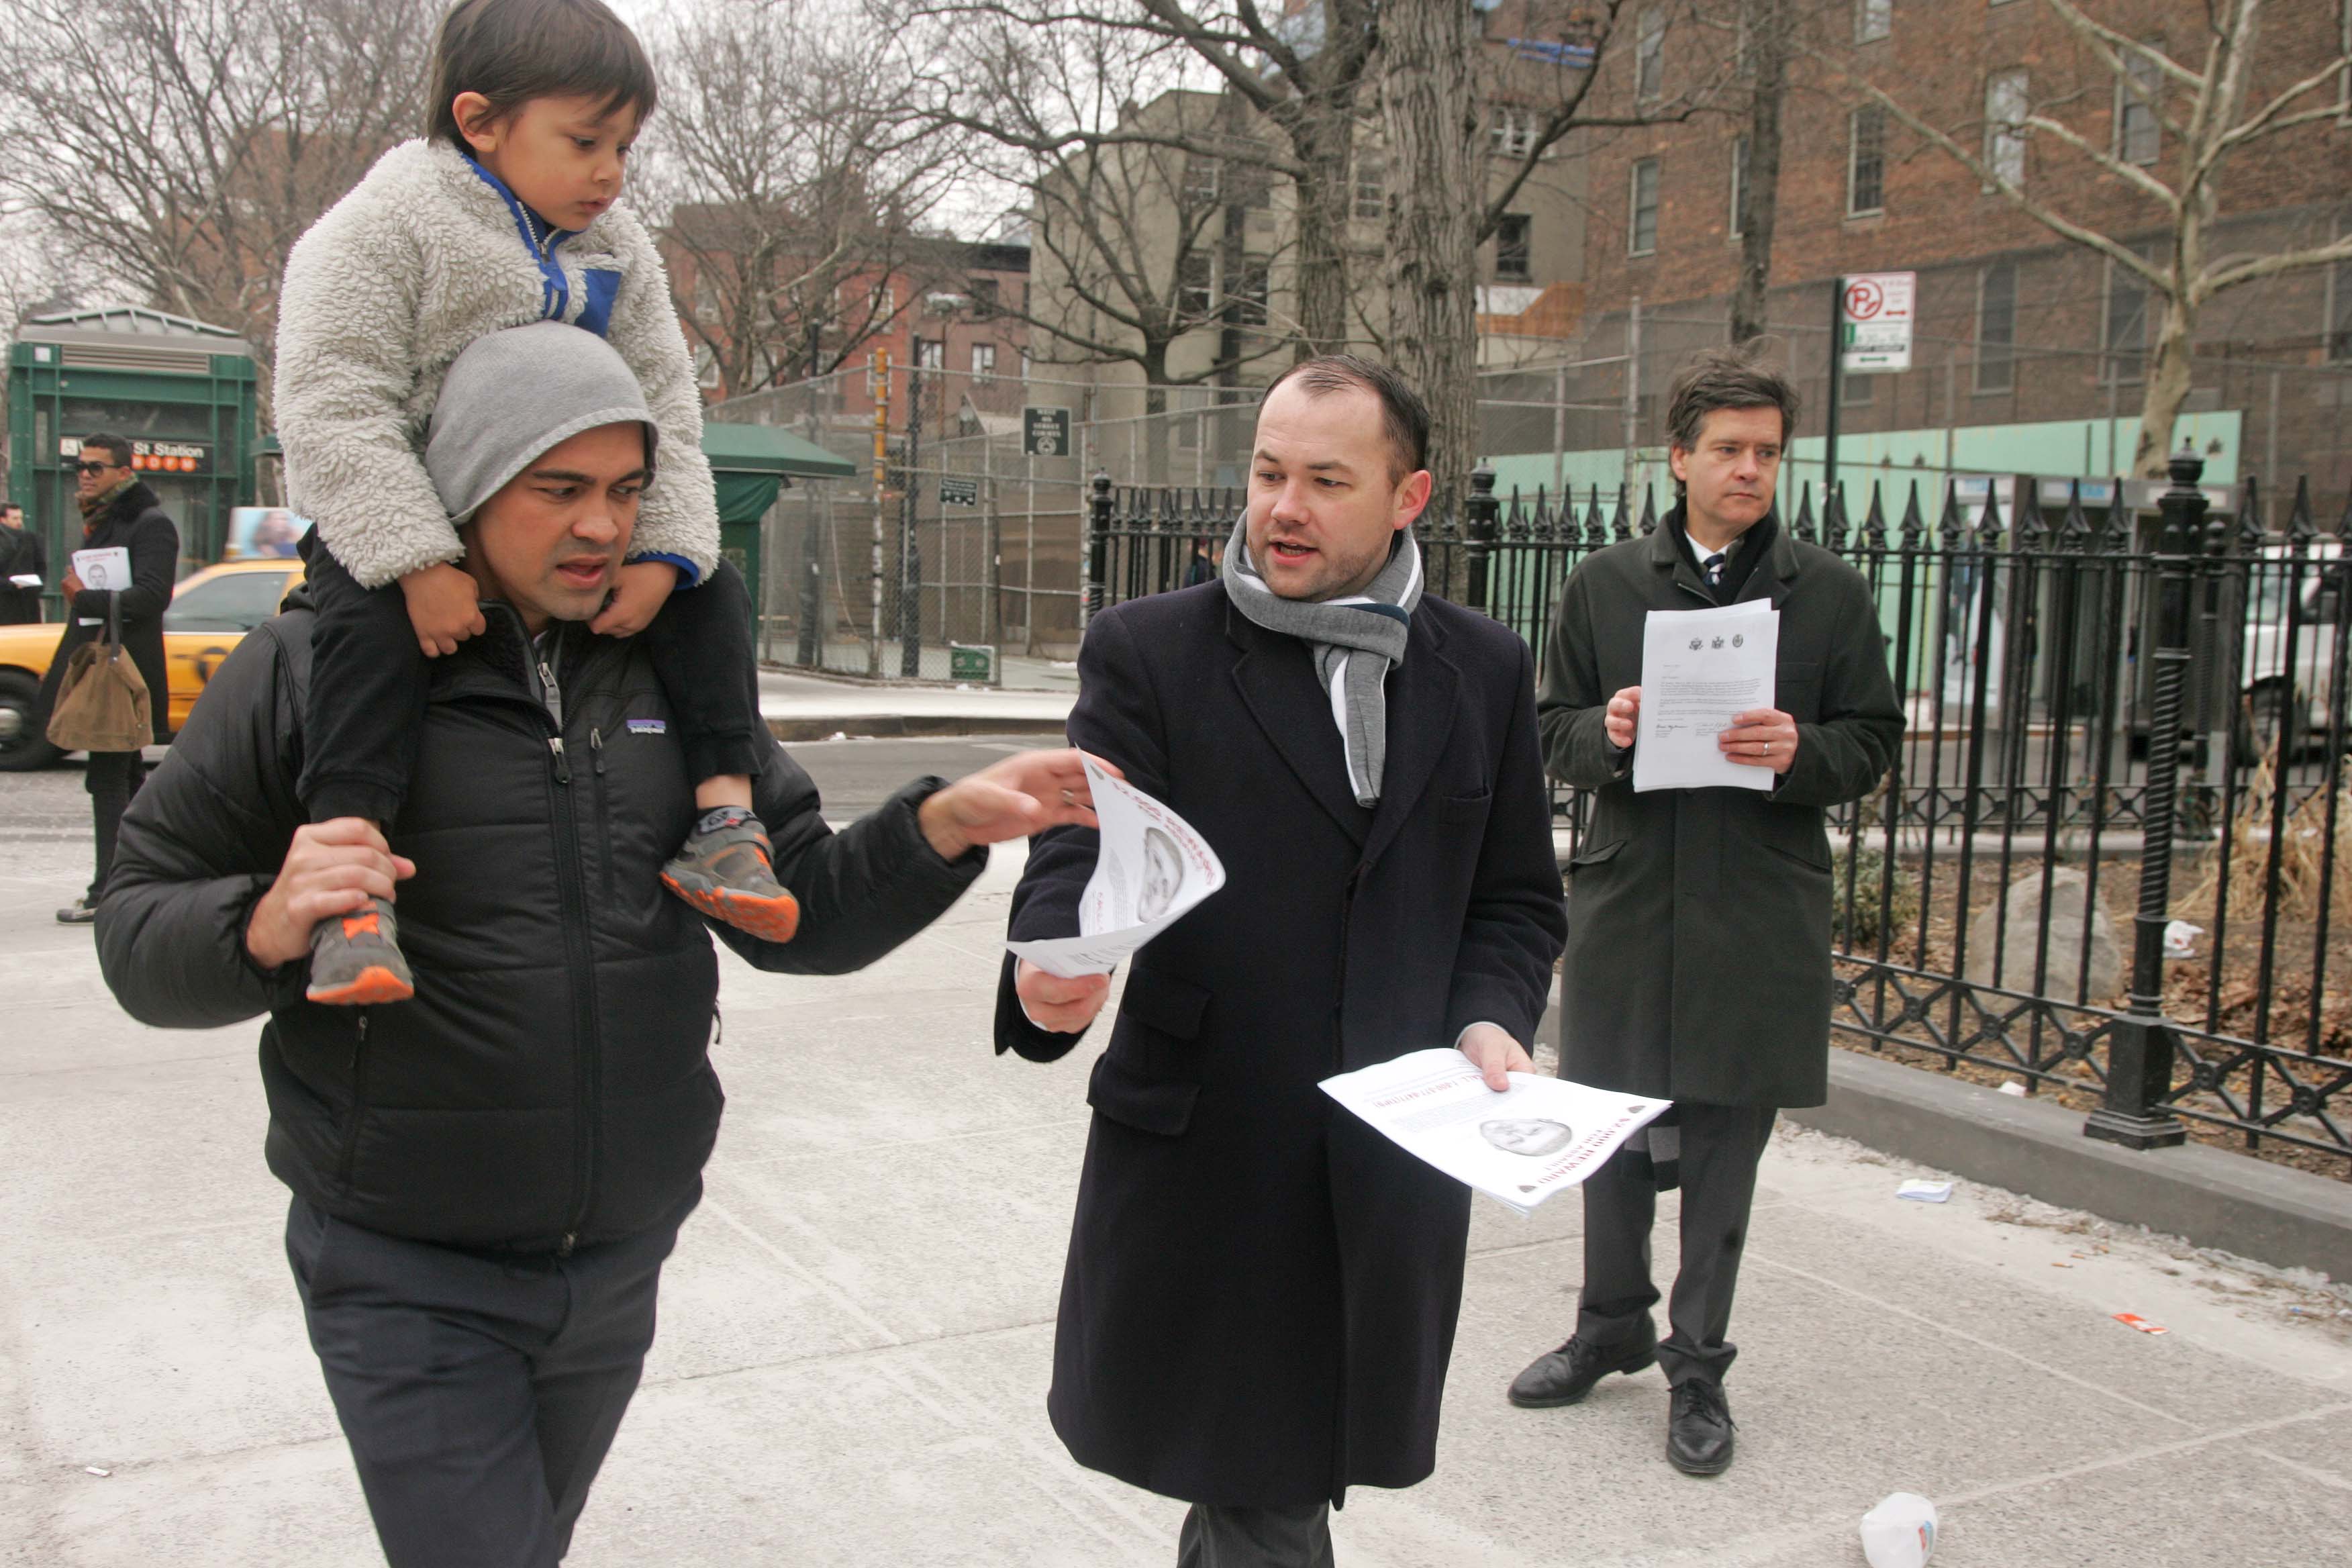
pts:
pixel 1698 955
pixel 117 508
pixel 1261 1290
pixel 21 554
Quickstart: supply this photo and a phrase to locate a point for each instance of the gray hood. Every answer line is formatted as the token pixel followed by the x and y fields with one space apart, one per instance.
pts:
pixel 511 395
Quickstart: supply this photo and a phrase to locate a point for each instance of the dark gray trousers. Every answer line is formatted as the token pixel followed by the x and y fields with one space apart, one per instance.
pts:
pixel 1218 1537
pixel 1721 1145
pixel 478 1395
pixel 111 778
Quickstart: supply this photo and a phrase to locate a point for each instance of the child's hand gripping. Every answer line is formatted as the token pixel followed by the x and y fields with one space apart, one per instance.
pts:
pixel 639 589
pixel 443 607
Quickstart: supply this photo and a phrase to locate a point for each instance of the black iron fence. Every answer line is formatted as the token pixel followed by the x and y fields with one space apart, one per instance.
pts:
pixel 2111 858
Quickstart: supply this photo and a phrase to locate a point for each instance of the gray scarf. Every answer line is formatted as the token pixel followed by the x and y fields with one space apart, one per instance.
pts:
pixel 1374 624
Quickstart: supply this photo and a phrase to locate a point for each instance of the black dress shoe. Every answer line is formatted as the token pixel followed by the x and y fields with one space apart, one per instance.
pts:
pixel 80 912
pixel 1567 1374
pixel 1698 1429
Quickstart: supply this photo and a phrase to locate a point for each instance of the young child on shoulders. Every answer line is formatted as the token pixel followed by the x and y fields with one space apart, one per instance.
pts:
pixel 505 213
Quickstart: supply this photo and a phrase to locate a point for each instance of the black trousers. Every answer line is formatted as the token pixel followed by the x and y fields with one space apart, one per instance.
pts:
pixel 479 1395
pixel 111 778
pixel 1217 1537
pixel 1721 1145
pixel 368 682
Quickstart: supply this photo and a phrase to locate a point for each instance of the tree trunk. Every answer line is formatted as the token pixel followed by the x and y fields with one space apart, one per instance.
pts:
pixel 1768 43
pixel 1155 414
pixel 2167 388
pixel 1438 175
pixel 1322 136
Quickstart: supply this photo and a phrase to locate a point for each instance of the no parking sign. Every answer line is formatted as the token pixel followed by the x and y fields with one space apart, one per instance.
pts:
pixel 1874 316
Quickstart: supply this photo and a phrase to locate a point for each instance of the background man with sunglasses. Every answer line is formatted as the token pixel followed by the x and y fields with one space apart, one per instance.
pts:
pixel 117 509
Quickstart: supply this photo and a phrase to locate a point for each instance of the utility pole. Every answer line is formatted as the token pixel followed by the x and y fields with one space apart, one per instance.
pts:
pixel 1837 386
pixel 1632 411
pixel 878 383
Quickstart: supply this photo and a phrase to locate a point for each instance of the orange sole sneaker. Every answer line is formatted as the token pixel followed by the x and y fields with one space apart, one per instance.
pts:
pixel 776 920
pixel 372 987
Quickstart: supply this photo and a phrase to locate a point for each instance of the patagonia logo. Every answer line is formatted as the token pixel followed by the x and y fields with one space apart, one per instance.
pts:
pixel 648 726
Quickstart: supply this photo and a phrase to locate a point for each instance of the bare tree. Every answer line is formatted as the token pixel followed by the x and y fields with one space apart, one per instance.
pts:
pixel 1301 72
pixel 180 147
pixel 1453 179
pixel 1137 237
pixel 789 173
pixel 2200 95
pixel 1762 49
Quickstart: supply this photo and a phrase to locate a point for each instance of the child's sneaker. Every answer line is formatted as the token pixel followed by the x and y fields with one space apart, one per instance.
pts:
pixel 724 870
pixel 356 961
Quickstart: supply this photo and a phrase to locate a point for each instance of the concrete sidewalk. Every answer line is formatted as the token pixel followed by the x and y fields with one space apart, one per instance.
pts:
pixel 856 1332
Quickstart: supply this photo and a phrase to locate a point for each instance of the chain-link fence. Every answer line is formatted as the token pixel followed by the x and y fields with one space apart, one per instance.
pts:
pixel 962 553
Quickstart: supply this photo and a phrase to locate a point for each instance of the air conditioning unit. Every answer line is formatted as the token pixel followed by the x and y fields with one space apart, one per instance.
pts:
pixel 946 304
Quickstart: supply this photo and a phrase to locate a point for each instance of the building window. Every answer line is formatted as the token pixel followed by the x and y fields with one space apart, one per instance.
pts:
pixel 1997 327
pixel 1873 20
pixel 2005 112
pixel 2138 133
pixel 1511 131
pixel 1249 297
pixel 706 367
pixel 1511 258
pixel 1201 175
pixel 931 354
pixel 1371 185
pixel 1865 178
pixel 986 298
pixel 1195 295
pixel 2126 338
pixel 1642 230
pixel 1650 54
pixel 983 359
pixel 1738 186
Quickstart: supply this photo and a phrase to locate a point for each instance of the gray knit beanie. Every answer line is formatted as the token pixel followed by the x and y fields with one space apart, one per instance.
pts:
pixel 512 394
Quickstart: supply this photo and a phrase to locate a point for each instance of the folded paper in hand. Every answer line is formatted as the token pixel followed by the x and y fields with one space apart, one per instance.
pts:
pixel 1541 1136
pixel 1700 668
pixel 1150 869
pixel 109 569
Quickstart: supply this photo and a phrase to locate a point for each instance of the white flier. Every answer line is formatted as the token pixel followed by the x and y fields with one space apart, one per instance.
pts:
pixel 1150 869
pixel 1700 668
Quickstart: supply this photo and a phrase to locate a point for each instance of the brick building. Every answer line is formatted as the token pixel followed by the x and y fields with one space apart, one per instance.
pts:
pixel 2031 350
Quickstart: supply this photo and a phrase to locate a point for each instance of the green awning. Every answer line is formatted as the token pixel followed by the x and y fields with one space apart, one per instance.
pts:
pixel 750 462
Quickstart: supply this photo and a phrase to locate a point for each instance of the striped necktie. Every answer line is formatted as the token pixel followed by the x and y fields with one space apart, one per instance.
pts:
pixel 1713 567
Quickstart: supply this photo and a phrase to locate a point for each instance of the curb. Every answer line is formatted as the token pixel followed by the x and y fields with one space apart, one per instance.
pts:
pixel 2274 1213
pixel 893 726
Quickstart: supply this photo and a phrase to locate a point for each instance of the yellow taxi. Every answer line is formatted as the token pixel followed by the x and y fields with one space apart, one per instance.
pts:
pixel 211 610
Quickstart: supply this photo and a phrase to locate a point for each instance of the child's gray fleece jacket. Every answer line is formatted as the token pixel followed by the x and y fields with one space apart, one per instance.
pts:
pixel 426 255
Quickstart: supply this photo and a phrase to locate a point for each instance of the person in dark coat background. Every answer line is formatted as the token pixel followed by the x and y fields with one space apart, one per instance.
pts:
pixel 1261 1290
pixel 117 509
pixel 21 554
pixel 1698 953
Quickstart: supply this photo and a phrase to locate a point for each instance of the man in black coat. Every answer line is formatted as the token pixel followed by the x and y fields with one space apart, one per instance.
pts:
pixel 1261 1290
pixel 488 1178
pixel 117 511
pixel 1698 955
pixel 21 554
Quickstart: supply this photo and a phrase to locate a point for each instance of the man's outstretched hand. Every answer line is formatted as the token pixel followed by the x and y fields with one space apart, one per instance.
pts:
pixel 1495 1054
pixel 332 869
pixel 1023 794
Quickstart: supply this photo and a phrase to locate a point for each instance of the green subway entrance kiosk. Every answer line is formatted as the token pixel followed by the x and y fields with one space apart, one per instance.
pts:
pixel 184 393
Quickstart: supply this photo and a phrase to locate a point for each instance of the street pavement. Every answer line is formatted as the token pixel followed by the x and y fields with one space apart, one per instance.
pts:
pixel 856 1330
